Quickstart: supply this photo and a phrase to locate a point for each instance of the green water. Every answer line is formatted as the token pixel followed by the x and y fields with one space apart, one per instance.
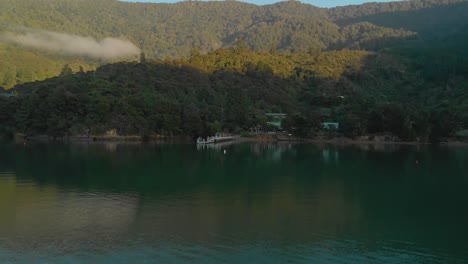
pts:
pixel 258 203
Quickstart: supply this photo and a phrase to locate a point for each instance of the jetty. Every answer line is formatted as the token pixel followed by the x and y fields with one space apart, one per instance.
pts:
pixel 216 139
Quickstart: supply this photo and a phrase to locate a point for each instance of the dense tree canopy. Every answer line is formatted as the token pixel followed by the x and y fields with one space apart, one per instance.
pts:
pixel 232 88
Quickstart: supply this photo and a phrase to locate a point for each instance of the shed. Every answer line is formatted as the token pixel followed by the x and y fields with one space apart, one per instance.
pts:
pixel 331 125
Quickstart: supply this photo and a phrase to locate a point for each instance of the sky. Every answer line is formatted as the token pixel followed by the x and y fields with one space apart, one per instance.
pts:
pixel 321 3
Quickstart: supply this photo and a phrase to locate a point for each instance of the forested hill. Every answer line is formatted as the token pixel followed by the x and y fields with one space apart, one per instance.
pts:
pixel 232 88
pixel 175 30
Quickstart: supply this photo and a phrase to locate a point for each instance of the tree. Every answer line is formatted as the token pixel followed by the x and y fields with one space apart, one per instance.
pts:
pixel 66 70
pixel 241 46
pixel 142 57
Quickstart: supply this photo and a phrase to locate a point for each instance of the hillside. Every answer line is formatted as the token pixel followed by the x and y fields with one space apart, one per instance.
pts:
pixel 232 88
pixel 175 30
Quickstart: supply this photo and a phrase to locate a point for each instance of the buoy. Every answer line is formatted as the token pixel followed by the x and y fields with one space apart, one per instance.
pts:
pixel 224 152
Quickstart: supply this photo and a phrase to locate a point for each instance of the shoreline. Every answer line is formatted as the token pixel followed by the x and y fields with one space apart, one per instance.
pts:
pixel 348 141
pixel 260 138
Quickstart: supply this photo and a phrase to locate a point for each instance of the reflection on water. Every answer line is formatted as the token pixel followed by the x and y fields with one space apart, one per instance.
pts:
pixel 264 202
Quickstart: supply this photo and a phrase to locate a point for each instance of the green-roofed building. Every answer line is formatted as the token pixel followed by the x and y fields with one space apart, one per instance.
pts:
pixel 462 134
pixel 331 125
pixel 276 115
pixel 275 119
pixel 275 124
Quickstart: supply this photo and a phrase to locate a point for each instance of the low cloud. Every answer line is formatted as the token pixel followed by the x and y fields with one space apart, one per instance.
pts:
pixel 67 44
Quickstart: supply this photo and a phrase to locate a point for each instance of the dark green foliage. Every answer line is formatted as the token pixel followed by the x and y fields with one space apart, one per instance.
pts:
pixel 8 106
pixel 231 89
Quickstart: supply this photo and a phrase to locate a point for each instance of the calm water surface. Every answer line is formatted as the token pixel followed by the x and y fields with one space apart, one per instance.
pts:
pixel 259 203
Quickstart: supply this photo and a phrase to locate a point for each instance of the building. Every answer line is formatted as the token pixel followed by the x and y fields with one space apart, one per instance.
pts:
pixel 275 119
pixel 463 134
pixel 331 125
